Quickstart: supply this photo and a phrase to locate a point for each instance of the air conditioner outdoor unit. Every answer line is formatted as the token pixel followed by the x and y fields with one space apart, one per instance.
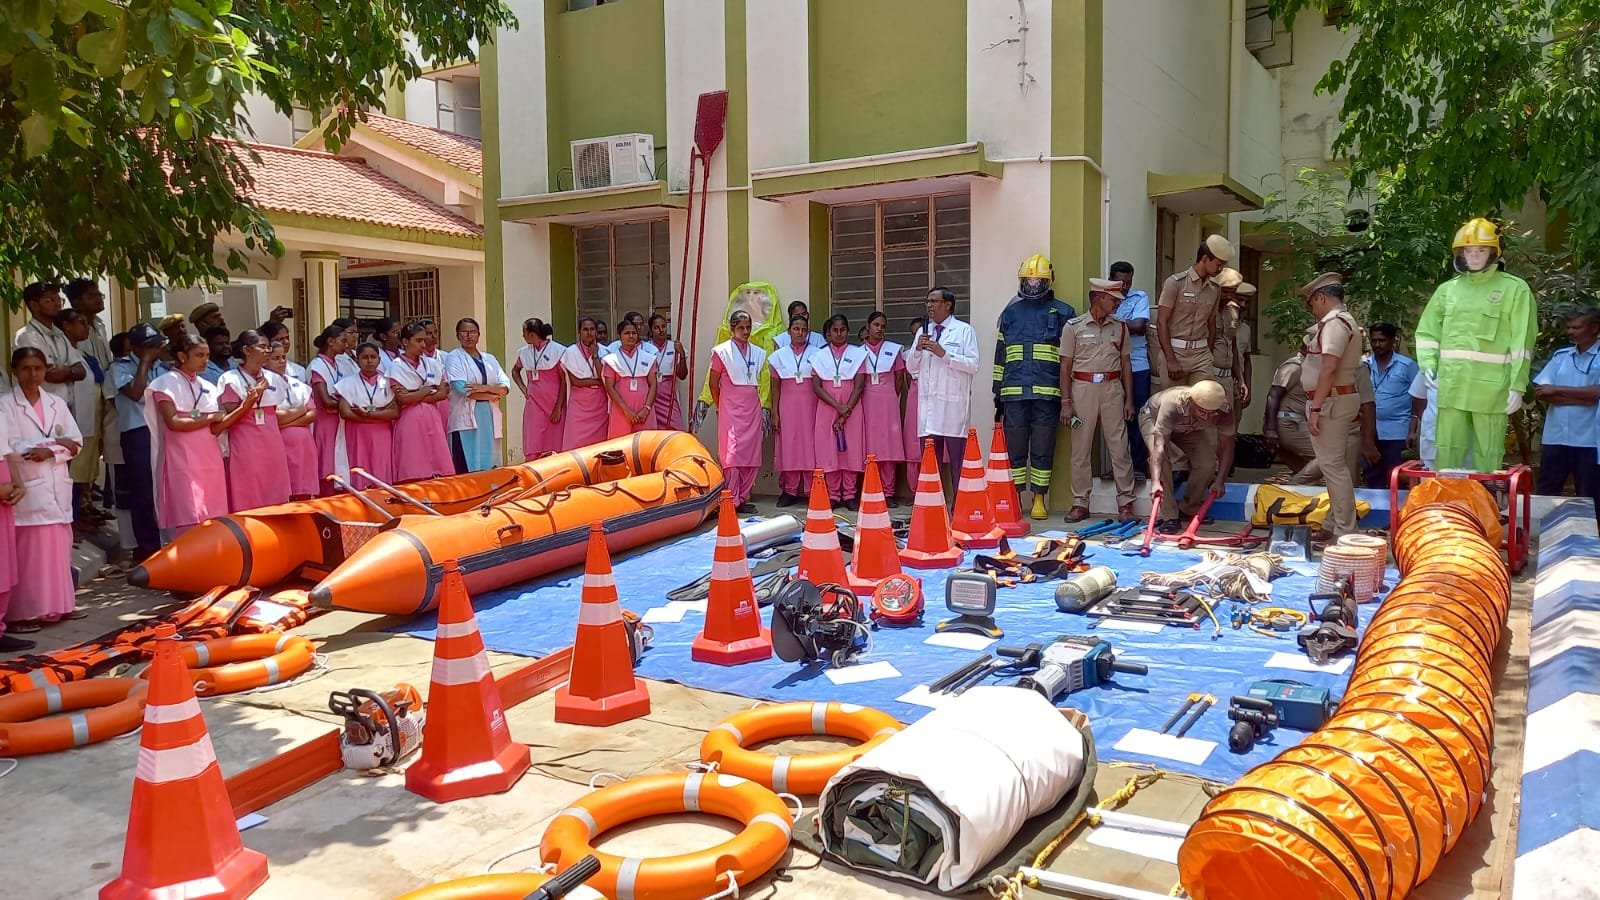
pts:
pixel 610 161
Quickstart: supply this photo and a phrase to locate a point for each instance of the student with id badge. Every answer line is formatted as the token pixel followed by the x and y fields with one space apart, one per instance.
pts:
pixel 258 465
pixel 735 383
pixel 887 381
pixel 629 377
pixel 368 407
pixel 839 436
pixel 794 411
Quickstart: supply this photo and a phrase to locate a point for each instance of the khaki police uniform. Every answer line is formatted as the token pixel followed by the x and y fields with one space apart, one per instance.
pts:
pixel 1097 353
pixel 1294 438
pixel 1336 335
pixel 1224 350
pixel 1169 413
pixel 1311 473
pixel 1193 301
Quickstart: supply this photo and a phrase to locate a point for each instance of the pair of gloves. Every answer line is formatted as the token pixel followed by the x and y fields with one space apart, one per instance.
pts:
pixel 1513 398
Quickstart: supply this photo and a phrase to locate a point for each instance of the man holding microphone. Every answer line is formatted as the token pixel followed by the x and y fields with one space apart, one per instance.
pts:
pixel 944 359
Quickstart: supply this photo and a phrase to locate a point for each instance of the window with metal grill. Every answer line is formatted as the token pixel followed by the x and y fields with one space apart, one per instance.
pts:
pixel 623 268
pixel 886 254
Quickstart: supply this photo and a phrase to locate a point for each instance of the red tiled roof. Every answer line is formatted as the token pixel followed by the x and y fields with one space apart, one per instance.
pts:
pixel 313 183
pixel 458 150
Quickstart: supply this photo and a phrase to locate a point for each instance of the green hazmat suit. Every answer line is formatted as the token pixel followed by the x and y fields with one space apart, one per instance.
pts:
pixel 760 300
pixel 1476 337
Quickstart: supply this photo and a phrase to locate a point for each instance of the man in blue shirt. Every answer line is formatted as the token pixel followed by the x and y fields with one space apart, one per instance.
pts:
pixel 1391 386
pixel 134 480
pixel 1134 311
pixel 1570 386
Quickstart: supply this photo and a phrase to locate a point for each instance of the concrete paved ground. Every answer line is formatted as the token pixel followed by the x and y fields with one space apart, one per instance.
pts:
pixel 357 836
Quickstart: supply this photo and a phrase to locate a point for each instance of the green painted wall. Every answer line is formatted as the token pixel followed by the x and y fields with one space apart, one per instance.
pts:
pixel 563 280
pixel 738 142
pixel 887 75
pixel 605 73
pixel 820 298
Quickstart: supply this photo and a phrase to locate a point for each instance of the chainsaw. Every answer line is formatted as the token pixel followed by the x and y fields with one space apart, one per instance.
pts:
pixel 379 729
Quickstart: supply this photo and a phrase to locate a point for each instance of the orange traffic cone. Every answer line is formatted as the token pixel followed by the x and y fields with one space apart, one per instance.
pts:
pixel 1002 490
pixel 467 750
pixel 601 689
pixel 733 632
pixel 930 546
pixel 182 840
pixel 972 523
pixel 875 556
pixel 821 560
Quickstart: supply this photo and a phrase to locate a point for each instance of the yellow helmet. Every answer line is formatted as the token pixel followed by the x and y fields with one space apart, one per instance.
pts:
pixel 1037 266
pixel 1479 232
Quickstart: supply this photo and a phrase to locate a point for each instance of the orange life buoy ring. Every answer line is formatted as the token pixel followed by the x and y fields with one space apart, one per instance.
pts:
pixel 505 886
pixel 689 876
pixel 725 745
pixel 97 709
pixel 240 663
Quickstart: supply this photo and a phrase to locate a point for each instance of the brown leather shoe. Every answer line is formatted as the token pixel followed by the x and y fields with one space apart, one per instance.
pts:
pixel 1077 514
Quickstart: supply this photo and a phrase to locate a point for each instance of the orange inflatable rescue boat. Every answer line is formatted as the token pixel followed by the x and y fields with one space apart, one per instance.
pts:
pixel 384 551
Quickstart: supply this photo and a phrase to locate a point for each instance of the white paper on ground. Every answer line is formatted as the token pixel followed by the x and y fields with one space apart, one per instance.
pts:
pixel 668 613
pixel 250 820
pixel 921 696
pixel 1131 625
pixel 1302 663
pixel 873 671
pixel 1145 742
pixel 959 640
pixel 1153 846
pixel 689 605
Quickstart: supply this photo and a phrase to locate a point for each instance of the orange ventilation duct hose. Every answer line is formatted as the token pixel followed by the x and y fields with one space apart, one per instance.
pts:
pixel 1368 805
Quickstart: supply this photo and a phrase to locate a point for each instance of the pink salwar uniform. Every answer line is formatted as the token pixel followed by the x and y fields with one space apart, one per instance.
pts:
pixel 43 518
pixel 433 365
pixel 739 423
pixel 333 455
pixel 299 447
pixel 8 530
pixel 371 443
pixel 190 476
pixel 258 467
pixel 421 447
pixel 880 405
pixel 541 376
pixel 629 376
pixel 794 452
pixel 669 412
pixel 588 413
pixel 908 430
pixel 836 369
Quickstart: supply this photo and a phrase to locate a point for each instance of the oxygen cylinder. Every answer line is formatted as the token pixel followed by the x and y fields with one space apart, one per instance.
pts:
pixel 771 532
pixel 1085 589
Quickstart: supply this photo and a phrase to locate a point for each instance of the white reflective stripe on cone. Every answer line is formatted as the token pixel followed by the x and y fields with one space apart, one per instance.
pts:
pixel 175 764
pixel 874 519
pixel 928 498
pixel 599 613
pixel 722 570
pixel 819 515
pixel 168 713
pixel 601 579
pixel 730 540
pixel 460 671
pixel 455 629
pixel 973 484
pixel 829 541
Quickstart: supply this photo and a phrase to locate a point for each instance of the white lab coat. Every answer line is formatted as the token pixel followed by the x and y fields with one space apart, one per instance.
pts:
pixel 48 500
pixel 460 366
pixel 944 384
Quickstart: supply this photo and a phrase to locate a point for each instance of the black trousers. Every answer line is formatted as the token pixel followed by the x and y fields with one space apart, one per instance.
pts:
pixel 1136 448
pixel 1394 453
pixel 1557 463
pixel 1030 427
pixel 136 489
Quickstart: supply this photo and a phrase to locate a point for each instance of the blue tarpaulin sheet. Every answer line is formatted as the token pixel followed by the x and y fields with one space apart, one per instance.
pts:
pixel 539 618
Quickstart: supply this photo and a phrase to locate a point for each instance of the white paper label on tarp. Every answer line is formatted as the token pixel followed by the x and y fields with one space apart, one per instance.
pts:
pixel 1145 742
pixel 1131 625
pixel 1302 663
pixel 921 696
pixel 873 671
pixel 1163 847
pixel 668 613
pixel 959 640
pixel 689 605
pixel 249 820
